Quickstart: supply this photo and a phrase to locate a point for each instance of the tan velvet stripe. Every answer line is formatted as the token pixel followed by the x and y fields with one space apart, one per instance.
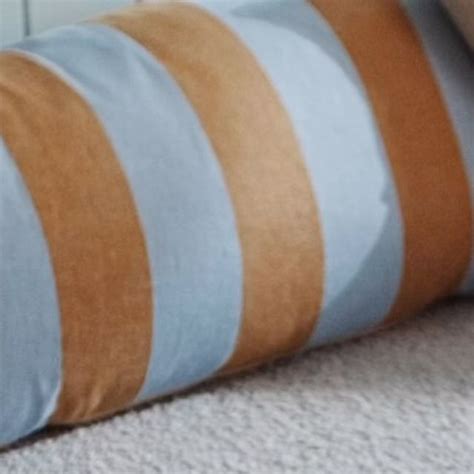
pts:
pixel 95 241
pixel 254 141
pixel 421 144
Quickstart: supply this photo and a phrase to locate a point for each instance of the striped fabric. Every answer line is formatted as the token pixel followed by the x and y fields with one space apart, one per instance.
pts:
pixel 462 12
pixel 189 190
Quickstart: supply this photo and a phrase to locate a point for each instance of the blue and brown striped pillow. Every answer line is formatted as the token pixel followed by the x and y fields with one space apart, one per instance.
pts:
pixel 192 190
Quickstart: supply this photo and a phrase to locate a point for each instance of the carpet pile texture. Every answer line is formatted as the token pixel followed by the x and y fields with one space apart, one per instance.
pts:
pixel 400 401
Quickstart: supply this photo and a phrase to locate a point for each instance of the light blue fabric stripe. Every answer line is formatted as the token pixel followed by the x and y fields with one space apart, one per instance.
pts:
pixel 180 194
pixel 30 332
pixel 344 155
pixel 453 65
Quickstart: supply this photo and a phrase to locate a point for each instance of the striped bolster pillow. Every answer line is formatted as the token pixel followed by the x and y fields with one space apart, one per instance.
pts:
pixel 190 190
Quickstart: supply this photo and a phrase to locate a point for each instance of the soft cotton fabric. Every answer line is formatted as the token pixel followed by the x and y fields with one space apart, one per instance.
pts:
pixel 191 190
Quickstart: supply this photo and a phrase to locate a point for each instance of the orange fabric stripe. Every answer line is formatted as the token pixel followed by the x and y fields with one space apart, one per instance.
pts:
pixel 421 144
pixel 255 143
pixel 96 244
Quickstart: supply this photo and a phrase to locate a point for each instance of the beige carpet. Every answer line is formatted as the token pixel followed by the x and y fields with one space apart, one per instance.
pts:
pixel 396 402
